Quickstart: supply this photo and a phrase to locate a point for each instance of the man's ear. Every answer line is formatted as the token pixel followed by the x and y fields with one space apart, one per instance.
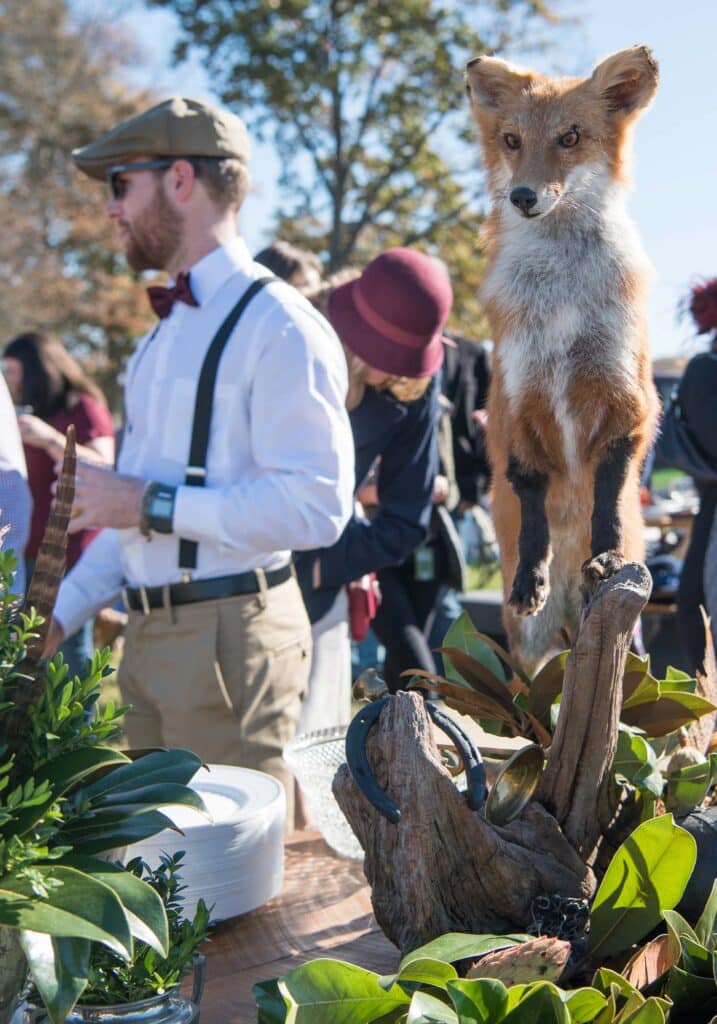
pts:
pixel 627 80
pixel 181 177
pixel 490 81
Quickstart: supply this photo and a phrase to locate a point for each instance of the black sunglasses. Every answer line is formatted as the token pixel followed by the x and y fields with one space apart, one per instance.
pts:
pixel 119 188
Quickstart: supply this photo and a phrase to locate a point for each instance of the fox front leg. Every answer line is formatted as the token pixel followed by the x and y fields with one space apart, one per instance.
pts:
pixel 530 586
pixel 606 537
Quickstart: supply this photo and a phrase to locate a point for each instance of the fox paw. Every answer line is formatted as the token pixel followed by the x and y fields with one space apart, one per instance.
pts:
pixel 602 566
pixel 530 590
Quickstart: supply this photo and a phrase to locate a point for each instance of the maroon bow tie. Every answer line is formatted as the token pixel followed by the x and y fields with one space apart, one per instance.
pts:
pixel 162 299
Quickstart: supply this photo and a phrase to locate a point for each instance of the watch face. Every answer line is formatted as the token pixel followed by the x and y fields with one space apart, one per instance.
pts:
pixel 161 506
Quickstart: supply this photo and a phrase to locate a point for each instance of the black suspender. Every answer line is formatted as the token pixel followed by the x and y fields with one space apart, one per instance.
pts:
pixel 197 469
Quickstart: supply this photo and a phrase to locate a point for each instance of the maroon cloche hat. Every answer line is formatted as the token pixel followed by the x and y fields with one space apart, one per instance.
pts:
pixel 393 316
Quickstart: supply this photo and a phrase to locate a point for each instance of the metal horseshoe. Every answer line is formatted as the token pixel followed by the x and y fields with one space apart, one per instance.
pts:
pixel 364 778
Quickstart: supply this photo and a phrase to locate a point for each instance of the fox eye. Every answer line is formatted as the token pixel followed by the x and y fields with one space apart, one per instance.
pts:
pixel 512 141
pixel 570 139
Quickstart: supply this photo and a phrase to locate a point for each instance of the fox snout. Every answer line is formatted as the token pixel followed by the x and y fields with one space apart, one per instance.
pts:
pixel 525 200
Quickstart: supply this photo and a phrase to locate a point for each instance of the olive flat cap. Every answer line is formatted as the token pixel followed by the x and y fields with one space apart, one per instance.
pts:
pixel 178 127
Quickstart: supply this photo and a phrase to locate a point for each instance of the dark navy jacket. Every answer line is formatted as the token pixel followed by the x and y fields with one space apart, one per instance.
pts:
pixel 404 435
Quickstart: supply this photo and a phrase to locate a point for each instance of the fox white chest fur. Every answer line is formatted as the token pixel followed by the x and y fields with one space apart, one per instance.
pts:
pixel 560 285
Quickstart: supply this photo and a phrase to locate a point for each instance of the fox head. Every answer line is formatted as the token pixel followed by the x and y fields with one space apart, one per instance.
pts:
pixel 549 141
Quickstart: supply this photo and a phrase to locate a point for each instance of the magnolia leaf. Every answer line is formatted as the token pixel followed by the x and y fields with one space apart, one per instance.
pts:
pixel 423 971
pixel 454 946
pixel 59 967
pixel 661 715
pixel 652 961
pixel 538 1003
pixel 584 1004
pixel 80 907
pixel 479 1000
pixel 479 677
pixel 504 656
pixel 676 679
pixel 705 927
pixel 688 991
pixel 636 762
pixel 427 1009
pixel 647 875
pixel 270 1003
pixel 462 635
pixel 88 838
pixel 151 798
pixel 326 991
pixel 143 906
pixel 62 773
pixel 687 787
pixel 175 765
pixel 651 1012
pixel 547 686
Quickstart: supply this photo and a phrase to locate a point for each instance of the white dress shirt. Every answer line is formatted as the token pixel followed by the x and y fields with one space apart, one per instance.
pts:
pixel 15 498
pixel 280 470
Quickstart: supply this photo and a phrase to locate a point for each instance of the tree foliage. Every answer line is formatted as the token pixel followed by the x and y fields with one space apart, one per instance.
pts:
pixel 364 100
pixel 61 267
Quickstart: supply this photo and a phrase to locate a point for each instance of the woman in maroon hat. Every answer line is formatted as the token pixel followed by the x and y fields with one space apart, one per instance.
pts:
pixel 390 320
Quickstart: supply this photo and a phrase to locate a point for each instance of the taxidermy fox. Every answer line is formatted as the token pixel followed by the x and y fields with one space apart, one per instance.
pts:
pixel 572 408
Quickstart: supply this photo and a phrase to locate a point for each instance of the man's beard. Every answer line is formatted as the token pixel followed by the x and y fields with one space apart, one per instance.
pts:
pixel 156 235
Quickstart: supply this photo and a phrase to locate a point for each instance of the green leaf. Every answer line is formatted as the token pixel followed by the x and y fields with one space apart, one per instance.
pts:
pixel 647 875
pixel 462 634
pixel 90 839
pixel 80 907
pixel 538 1003
pixel 676 679
pixel 705 927
pixel 688 991
pixel 651 1012
pixel 62 773
pixel 270 1003
pixel 59 967
pixel 142 904
pixel 661 715
pixel 687 787
pixel 546 687
pixel 424 971
pixel 455 946
pixel 427 1009
pixel 479 1000
pixel 331 992
pixel 170 766
pixel 584 1004
pixel 635 760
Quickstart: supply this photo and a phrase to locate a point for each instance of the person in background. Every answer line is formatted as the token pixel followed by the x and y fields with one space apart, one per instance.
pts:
pixel 15 498
pixel 219 477
pixel 52 391
pixel 390 319
pixel 697 400
pixel 299 267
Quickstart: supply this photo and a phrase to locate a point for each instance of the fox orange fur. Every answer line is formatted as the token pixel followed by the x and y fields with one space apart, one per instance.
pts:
pixel 572 408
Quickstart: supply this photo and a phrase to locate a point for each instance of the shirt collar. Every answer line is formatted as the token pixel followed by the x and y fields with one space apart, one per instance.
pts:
pixel 211 271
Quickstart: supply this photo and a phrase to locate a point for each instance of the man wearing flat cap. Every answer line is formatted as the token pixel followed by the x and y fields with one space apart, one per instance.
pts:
pixel 236 450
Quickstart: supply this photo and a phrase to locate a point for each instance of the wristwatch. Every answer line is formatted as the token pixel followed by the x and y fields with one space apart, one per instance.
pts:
pixel 157 508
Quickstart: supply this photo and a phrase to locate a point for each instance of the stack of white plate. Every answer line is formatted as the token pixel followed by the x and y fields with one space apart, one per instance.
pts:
pixel 235 860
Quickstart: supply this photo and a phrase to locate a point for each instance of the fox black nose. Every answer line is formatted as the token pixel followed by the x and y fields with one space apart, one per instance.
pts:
pixel 524 198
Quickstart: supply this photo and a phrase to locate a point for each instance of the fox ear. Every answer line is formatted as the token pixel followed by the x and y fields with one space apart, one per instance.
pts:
pixel 490 80
pixel 627 80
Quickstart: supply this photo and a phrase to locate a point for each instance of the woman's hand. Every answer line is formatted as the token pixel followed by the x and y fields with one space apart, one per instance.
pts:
pixel 38 434
pixel 441 489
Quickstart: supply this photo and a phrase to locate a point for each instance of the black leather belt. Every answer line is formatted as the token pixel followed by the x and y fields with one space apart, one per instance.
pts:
pixel 143 599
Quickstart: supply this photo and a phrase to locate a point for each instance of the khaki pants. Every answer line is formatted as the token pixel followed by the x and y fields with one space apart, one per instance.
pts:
pixel 222 678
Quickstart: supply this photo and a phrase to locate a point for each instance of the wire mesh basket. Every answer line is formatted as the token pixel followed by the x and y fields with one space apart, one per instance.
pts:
pixel 313 758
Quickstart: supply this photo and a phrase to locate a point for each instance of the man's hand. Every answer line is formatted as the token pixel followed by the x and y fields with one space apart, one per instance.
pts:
pixel 55 636
pixel 105 498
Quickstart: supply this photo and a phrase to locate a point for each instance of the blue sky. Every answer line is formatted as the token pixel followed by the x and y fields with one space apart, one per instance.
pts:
pixel 675 171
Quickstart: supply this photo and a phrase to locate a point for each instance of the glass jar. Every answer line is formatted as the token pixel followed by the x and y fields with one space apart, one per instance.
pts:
pixel 168 1008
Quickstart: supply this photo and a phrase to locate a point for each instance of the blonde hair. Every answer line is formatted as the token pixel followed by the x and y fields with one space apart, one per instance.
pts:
pixel 403 389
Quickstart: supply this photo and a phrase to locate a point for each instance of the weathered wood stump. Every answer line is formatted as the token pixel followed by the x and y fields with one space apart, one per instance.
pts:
pixel 446 868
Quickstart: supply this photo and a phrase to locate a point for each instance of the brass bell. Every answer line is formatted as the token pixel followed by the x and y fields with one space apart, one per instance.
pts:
pixel 514 785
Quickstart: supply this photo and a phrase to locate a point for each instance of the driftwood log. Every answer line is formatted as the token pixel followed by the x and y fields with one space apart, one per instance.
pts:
pixel 446 868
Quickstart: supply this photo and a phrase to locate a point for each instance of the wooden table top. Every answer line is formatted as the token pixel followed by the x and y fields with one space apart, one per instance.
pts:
pixel 324 910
